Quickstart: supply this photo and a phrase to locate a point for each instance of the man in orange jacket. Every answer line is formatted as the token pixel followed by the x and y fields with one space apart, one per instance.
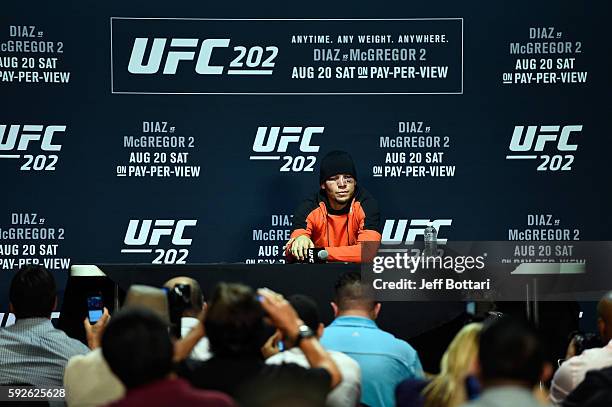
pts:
pixel 340 217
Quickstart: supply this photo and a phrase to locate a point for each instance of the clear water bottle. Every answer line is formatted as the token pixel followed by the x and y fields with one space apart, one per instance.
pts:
pixel 430 247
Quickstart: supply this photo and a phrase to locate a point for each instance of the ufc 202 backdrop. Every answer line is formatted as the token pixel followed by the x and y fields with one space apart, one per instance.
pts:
pixel 187 132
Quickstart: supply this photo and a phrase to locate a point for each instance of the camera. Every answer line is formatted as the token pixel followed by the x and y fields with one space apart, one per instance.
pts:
pixel 584 341
pixel 179 300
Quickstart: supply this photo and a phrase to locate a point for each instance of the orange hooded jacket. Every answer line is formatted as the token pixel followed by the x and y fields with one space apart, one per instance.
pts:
pixel 342 233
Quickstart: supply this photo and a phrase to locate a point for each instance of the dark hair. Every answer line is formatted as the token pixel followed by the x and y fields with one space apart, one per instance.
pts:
pixel 234 321
pixel 306 309
pixel 351 292
pixel 32 292
pixel 602 397
pixel 137 346
pixel 510 349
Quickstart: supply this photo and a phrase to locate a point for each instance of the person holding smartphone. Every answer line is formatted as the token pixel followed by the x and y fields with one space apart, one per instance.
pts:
pixel 33 351
pixel 235 324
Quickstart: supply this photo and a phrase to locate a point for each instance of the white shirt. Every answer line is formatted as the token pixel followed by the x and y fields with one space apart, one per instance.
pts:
pixel 201 351
pixel 347 392
pixel 571 373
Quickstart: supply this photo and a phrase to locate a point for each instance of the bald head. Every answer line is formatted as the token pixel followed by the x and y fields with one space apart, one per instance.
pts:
pixel 197 298
pixel 604 315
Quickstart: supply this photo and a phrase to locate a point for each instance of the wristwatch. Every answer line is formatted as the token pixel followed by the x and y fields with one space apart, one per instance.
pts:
pixel 304 332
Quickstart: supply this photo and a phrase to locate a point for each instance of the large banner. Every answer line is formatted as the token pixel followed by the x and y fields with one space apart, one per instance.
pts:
pixel 172 133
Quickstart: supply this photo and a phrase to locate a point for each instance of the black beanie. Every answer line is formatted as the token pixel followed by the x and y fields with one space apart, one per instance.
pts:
pixel 334 163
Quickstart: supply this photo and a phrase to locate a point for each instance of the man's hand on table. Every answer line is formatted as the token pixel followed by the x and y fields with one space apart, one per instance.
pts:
pixel 300 246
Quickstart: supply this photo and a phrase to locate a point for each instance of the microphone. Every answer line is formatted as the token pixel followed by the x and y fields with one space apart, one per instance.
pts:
pixel 316 255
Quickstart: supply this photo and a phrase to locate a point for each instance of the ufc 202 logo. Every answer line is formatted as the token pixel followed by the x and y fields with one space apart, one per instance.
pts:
pixel 16 138
pixel 169 52
pixel 166 232
pixel 270 141
pixel 396 232
pixel 527 140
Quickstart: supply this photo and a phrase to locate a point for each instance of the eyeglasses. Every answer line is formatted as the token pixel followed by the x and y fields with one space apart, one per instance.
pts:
pixel 348 179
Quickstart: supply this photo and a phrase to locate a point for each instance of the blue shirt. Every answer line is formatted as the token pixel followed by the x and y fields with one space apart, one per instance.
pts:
pixel 32 351
pixel 384 360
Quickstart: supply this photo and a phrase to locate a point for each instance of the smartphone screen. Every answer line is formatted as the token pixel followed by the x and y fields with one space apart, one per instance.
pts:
pixel 95 308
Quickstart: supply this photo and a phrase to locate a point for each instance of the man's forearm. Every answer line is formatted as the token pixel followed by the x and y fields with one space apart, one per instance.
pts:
pixel 364 250
pixel 93 342
pixel 184 346
pixel 318 357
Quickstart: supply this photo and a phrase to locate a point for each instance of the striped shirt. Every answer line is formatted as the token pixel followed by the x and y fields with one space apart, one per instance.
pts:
pixel 32 351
